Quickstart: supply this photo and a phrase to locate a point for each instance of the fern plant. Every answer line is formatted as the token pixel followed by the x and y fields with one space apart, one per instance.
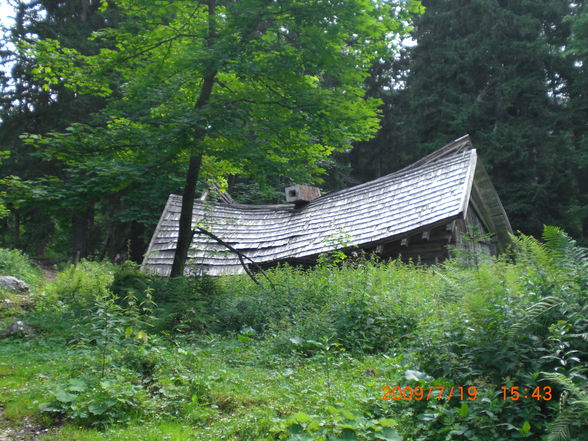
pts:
pixel 568 255
pixel 558 275
pixel 570 263
pixel 573 408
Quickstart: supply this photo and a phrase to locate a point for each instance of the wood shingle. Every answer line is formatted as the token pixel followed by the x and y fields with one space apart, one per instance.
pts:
pixel 431 192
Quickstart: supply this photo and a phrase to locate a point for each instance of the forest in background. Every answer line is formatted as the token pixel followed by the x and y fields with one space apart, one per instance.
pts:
pixel 512 74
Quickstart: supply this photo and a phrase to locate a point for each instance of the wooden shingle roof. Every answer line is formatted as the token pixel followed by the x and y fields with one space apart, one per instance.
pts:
pixel 426 193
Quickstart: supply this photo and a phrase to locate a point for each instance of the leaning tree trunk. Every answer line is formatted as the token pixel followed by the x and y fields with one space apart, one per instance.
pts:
pixel 185 231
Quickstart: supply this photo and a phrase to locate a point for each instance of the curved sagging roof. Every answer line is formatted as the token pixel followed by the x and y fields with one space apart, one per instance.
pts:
pixel 434 189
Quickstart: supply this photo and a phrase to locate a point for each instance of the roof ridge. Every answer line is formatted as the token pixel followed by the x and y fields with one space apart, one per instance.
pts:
pixel 402 172
pixel 455 146
pixel 394 175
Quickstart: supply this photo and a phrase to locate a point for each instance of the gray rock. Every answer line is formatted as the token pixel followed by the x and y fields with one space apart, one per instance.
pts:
pixel 17 329
pixel 13 284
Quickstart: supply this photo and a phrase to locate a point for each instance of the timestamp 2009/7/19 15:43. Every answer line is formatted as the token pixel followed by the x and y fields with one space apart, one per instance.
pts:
pixel 418 393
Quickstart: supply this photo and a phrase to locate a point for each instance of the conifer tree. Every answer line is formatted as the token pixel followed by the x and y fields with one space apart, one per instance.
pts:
pixel 28 105
pixel 497 70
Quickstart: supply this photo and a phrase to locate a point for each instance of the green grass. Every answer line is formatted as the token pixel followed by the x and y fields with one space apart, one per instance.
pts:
pixel 155 431
pixel 25 370
pixel 244 398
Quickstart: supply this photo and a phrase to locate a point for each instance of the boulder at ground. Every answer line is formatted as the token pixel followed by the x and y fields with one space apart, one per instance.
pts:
pixel 17 329
pixel 13 284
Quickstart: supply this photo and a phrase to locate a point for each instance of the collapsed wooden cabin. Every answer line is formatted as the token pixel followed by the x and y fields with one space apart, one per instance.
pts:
pixel 414 213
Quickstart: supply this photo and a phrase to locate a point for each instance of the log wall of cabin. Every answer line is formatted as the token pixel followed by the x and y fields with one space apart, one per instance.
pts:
pixel 469 233
pixel 427 246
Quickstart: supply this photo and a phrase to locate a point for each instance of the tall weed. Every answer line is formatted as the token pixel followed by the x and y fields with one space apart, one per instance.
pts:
pixel 77 287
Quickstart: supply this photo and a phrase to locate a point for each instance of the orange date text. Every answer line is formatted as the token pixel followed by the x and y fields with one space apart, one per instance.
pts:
pixel 516 393
pixel 419 393
pixel 440 393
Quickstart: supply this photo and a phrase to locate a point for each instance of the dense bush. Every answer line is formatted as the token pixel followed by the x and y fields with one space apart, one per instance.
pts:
pixel 184 304
pixel 77 287
pixel 514 321
pixel 365 306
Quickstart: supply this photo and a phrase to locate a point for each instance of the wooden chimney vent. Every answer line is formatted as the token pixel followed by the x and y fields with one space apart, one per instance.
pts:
pixel 302 194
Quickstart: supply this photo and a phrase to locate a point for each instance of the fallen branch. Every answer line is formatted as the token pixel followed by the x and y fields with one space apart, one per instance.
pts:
pixel 239 254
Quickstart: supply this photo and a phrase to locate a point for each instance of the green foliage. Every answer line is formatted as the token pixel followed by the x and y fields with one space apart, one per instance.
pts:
pixel 339 425
pixel 567 341
pixel 183 304
pixel 337 243
pixel 359 307
pixel 264 91
pixel 573 414
pixel 97 403
pixel 30 106
pixel 77 287
pixel 308 357
pixel 15 263
pixel 116 359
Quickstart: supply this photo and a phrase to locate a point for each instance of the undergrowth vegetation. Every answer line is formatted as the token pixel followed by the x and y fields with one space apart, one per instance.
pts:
pixel 128 355
pixel 16 264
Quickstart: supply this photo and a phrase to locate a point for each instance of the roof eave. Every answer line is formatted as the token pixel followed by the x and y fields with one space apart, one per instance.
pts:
pixel 145 264
pixel 491 207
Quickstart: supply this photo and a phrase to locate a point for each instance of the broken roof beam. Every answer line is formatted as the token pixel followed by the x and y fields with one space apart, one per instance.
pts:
pixel 218 191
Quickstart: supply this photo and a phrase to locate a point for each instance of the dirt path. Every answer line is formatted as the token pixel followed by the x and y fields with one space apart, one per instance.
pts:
pixel 49 274
pixel 48 270
pixel 26 431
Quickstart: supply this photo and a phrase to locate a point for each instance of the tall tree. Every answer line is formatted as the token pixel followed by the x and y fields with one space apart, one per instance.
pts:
pixel 257 87
pixel 393 146
pixel 496 70
pixel 30 106
pixel 577 93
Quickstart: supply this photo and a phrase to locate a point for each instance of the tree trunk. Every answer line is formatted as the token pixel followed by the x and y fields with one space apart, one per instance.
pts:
pixel 85 6
pixel 16 230
pixel 81 222
pixel 44 231
pixel 137 243
pixel 125 241
pixel 117 230
pixel 185 233
pixel 115 248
